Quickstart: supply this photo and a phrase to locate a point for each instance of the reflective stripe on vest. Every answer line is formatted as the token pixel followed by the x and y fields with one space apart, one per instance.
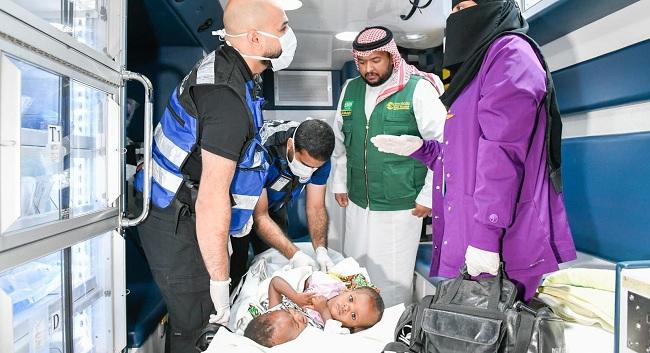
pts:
pixel 174 138
pixel 248 182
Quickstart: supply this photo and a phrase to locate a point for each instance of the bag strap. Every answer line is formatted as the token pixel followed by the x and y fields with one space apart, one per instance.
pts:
pixel 416 330
pixel 398 347
pixel 525 330
pixel 495 290
pixel 455 286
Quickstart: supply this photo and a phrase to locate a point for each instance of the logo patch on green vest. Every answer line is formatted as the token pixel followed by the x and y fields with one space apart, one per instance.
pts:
pixel 346 108
pixel 398 105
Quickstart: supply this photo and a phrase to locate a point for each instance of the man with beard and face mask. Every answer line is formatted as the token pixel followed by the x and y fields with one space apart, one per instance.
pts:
pixel 503 197
pixel 386 196
pixel 300 154
pixel 209 167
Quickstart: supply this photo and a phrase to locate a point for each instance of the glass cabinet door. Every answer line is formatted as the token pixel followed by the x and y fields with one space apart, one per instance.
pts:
pixel 87 148
pixel 92 295
pixel 33 294
pixel 37 293
pixel 85 20
pixel 54 161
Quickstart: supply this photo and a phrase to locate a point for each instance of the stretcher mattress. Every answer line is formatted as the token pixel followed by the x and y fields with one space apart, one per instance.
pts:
pixel 311 339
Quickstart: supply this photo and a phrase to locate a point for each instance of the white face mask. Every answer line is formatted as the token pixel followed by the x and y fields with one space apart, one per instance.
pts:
pixel 297 168
pixel 288 44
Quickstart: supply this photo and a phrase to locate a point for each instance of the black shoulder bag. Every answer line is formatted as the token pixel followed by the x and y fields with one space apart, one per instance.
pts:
pixel 477 316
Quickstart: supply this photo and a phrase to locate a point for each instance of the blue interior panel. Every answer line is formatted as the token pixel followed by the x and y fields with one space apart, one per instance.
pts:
pixel 200 18
pixel 423 263
pixel 607 194
pixel 616 78
pixel 565 16
pixel 423 259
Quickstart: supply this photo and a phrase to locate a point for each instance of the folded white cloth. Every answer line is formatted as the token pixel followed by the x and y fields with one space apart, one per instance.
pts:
pixel 582 295
pixel 584 277
pixel 348 267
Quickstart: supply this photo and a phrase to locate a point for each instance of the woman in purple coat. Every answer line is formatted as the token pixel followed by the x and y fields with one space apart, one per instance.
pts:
pixel 501 152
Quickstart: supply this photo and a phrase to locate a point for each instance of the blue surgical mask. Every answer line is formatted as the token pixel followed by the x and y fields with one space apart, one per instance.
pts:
pixel 288 44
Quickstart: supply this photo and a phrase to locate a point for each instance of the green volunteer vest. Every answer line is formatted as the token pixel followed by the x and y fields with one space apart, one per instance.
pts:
pixel 380 181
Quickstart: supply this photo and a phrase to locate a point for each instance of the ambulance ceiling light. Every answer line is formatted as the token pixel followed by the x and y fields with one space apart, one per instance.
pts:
pixel 414 37
pixel 346 36
pixel 288 5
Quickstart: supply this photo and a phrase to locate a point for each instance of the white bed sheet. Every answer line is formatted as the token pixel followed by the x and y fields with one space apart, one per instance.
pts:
pixel 592 339
pixel 314 340
pixel 311 339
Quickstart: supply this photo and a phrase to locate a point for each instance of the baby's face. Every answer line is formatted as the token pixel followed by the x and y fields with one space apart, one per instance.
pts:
pixel 288 325
pixel 354 309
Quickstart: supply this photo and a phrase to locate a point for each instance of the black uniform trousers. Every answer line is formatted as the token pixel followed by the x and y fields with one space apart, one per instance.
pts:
pixel 169 241
pixel 240 246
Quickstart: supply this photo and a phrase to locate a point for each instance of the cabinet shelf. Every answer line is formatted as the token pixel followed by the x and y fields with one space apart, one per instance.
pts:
pixel 85 294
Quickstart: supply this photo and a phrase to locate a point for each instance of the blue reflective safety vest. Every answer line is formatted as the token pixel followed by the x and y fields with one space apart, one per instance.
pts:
pixel 282 185
pixel 277 132
pixel 176 137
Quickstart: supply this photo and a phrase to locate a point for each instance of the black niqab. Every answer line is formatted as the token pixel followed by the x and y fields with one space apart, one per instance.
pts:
pixel 470 32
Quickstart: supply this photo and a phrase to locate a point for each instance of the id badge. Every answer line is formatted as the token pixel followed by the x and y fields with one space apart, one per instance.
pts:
pixel 280 183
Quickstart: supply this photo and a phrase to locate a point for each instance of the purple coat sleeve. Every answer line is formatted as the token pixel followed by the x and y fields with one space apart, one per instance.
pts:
pixel 513 87
pixel 428 153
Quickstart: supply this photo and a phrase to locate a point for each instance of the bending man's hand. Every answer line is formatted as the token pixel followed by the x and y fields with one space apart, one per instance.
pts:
pixel 300 259
pixel 403 145
pixel 323 259
pixel 220 294
pixel 480 261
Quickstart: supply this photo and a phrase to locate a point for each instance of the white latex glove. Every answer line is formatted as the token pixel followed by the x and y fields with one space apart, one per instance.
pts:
pixel 480 261
pixel 403 145
pixel 219 292
pixel 300 259
pixel 324 260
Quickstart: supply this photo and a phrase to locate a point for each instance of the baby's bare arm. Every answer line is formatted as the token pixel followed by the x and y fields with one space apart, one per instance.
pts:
pixel 276 286
pixel 320 305
pixel 279 287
